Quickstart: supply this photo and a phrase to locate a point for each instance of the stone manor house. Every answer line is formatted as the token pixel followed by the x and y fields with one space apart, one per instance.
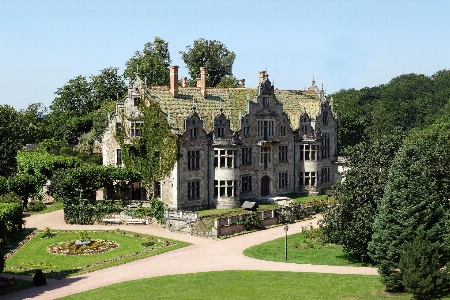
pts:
pixel 235 144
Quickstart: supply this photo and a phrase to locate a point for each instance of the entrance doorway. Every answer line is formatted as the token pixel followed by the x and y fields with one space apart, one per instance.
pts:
pixel 265 186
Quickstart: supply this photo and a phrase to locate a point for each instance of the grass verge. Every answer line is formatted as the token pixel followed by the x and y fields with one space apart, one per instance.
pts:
pixel 246 285
pixel 305 249
pixel 34 254
pixel 49 208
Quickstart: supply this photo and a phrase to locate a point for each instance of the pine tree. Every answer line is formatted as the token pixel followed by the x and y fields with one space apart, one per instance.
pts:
pixel 420 267
pixel 416 197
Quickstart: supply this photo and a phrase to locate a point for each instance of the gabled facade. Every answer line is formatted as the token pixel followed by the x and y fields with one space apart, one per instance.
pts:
pixel 236 144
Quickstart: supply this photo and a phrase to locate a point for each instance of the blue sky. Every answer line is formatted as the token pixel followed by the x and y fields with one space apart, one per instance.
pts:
pixel 344 44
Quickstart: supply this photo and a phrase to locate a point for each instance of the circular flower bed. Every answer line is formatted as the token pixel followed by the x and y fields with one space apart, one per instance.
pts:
pixel 86 247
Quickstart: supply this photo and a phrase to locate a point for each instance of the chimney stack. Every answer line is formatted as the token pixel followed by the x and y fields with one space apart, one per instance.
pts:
pixel 243 83
pixel 203 81
pixel 174 81
pixel 183 81
pixel 262 75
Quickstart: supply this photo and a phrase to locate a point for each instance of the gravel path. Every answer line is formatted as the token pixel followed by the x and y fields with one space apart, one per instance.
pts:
pixel 202 256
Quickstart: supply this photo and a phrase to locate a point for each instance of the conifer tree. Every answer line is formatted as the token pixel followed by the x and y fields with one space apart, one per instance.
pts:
pixel 420 267
pixel 416 197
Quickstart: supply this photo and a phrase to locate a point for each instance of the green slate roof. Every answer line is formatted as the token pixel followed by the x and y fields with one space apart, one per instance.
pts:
pixel 233 101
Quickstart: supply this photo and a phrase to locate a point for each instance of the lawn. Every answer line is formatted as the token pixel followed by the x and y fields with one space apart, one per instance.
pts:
pixel 246 285
pixel 302 249
pixel 49 208
pixel 34 254
pixel 232 211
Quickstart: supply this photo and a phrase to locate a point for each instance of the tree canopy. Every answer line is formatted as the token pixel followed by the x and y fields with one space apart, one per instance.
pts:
pixel 211 54
pixel 406 102
pixel 152 63
pixel 359 192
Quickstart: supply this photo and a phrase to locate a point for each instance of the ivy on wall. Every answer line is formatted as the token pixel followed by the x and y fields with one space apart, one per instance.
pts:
pixel 155 153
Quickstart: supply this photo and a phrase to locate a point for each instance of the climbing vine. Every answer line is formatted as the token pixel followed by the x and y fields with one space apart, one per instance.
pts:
pixel 154 154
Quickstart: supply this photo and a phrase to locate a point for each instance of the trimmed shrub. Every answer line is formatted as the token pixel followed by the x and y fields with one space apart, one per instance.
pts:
pixel 36 206
pixel 39 278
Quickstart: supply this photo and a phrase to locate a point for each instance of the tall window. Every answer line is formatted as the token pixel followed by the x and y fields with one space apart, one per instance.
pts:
pixel 307 178
pixel 246 184
pixel 325 174
pixel 326 145
pixel 135 129
pixel 246 131
pixel 225 158
pixel 283 153
pixel 283 130
pixel 282 179
pixel 265 156
pixel 246 156
pixel 137 100
pixel 194 190
pixel 304 129
pixel 193 160
pixel 225 188
pixel 220 132
pixel 325 117
pixel 119 157
pixel 266 128
pixel 193 133
pixel 266 101
pixel 118 128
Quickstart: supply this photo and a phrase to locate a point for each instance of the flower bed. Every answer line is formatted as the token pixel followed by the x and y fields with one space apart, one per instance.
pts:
pixel 84 248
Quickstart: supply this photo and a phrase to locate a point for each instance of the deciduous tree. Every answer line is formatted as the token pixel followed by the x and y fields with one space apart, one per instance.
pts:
pixel 211 54
pixel 152 63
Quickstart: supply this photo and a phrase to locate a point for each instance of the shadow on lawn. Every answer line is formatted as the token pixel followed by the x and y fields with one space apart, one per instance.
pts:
pixel 355 258
pixel 52 284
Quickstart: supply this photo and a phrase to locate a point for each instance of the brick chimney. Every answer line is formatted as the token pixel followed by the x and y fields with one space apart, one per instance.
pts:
pixel 242 83
pixel 262 75
pixel 203 81
pixel 174 81
pixel 183 81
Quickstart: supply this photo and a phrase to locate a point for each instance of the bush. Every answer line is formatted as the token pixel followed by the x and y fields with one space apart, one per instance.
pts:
pixel 251 221
pixel 36 206
pixel 39 278
pixel 66 151
pixel 96 159
pixel 83 156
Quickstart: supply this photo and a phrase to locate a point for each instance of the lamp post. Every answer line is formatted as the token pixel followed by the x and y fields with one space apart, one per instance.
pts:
pixel 285 241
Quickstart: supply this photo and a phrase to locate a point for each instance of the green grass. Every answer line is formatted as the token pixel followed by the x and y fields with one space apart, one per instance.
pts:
pixel 49 208
pixel 246 285
pixel 21 285
pixel 306 199
pixel 301 251
pixel 34 254
pixel 232 211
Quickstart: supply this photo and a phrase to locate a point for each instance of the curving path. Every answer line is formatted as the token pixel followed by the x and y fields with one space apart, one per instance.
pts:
pixel 202 256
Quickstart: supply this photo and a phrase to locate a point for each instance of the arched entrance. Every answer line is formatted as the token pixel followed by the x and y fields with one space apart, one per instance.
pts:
pixel 265 186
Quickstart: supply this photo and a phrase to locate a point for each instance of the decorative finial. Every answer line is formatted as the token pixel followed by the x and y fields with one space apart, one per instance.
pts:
pixel 221 110
pixel 313 82
pixel 193 109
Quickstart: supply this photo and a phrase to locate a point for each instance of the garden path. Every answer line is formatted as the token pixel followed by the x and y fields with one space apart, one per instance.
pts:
pixel 202 256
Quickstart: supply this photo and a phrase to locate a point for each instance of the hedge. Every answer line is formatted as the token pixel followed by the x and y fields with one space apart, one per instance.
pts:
pixel 10 220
